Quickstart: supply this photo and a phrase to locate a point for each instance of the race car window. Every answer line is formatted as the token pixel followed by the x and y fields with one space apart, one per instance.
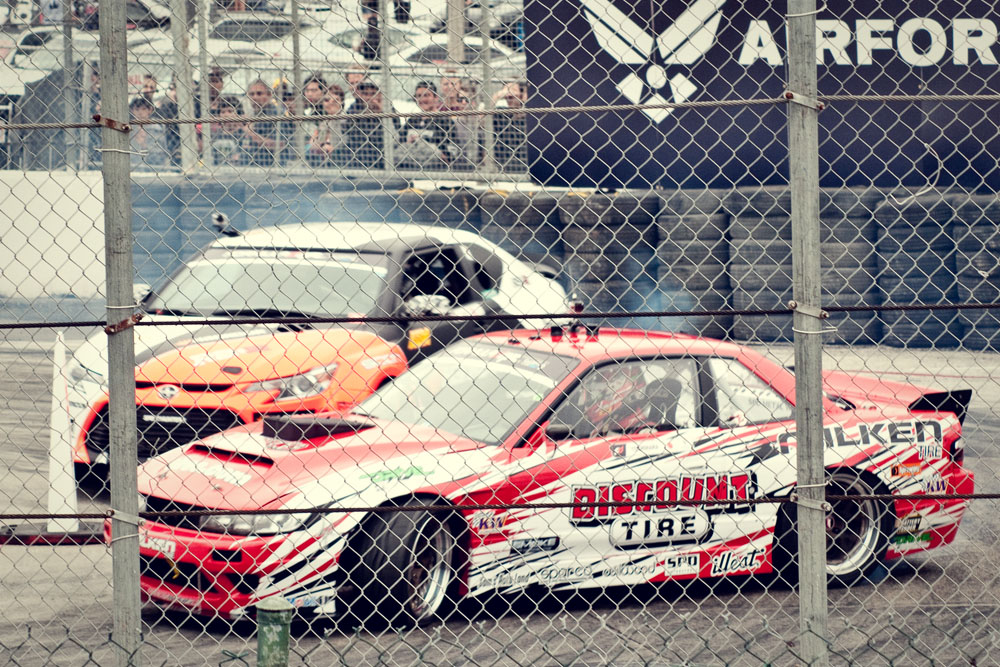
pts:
pixel 647 395
pixel 475 389
pixel 436 272
pixel 742 397
pixel 268 280
pixel 487 267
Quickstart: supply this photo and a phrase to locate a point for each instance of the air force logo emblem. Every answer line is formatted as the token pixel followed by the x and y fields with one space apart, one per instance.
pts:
pixel 683 43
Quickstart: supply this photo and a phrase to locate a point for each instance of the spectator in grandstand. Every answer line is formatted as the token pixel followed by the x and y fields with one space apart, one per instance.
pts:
pixel 328 144
pixel 510 129
pixel 354 76
pixel 427 142
pixel 147 142
pixel 261 142
pixel 468 129
pixel 365 134
pixel 227 138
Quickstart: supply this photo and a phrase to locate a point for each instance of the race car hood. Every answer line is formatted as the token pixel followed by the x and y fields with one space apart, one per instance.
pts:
pixel 198 353
pixel 244 469
pixel 223 360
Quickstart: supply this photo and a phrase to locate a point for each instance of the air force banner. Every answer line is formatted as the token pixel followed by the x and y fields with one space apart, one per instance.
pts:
pixel 614 52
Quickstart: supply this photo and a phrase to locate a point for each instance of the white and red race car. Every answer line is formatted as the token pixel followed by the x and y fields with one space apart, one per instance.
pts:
pixel 568 459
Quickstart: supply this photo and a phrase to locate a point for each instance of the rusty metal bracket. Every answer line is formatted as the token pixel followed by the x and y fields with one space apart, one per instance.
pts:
pixel 806 309
pixel 123 325
pixel 810 102
pixel 112 123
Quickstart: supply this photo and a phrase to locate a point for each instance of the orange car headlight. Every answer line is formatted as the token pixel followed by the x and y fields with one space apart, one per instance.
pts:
pixel 312 382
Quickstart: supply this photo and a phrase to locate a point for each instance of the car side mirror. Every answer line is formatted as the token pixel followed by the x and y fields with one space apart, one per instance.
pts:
pixel 556 432
pixel 140 291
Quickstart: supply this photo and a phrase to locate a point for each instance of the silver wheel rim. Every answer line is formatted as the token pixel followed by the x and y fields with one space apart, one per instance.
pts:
pixel 852 527
pixel 430 568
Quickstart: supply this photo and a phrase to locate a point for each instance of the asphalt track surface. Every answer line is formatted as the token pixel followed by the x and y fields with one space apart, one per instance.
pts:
pixel 939 608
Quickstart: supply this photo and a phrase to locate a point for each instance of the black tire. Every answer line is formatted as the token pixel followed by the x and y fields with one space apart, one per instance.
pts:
pixel 857 532
pixel 406 572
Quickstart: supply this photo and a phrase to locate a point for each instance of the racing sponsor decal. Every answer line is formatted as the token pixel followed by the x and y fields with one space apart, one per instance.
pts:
pixel 164 546
pixel 911 539
pixel 906 469
pixel 557 573
pixel 679 566
pixel 909 524
pixel 930 450
pixel 887 433
pixel 618 449
pixel 530 545
pixel 396 474
pixel 735 562
pixel 661 495
pixel 309 601
pixel 935 484
pixel 486 522
pixel 678 526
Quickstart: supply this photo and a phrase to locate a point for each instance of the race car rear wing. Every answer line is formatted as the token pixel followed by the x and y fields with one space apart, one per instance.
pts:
pixel 857 390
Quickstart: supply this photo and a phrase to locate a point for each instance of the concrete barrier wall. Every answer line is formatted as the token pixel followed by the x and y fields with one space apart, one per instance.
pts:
pixel 617 252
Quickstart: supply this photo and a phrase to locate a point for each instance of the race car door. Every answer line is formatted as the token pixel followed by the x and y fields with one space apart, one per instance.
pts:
pixel 626 423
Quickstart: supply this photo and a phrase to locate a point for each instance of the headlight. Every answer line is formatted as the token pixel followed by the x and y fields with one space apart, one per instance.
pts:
pixel 255 524
pixel 78 375
pixel 310 383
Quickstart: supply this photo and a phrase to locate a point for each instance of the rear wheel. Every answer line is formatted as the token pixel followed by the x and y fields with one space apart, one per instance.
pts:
pixel 406 574
pixel 857 531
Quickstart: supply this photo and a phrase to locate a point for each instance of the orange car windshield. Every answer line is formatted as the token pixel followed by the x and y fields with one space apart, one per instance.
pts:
pixel 306 283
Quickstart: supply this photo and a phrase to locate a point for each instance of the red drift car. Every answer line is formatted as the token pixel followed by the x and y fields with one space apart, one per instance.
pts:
pixel 645 420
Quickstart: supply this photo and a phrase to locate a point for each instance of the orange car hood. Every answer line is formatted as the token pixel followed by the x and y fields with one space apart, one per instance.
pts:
pixel 243 359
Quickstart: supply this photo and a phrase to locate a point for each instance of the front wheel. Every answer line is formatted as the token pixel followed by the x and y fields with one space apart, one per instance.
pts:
pixel 406 570
pixel 857 532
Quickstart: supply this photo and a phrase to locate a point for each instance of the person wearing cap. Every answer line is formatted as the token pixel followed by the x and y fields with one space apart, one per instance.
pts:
pixel 427 142
pixel 365 134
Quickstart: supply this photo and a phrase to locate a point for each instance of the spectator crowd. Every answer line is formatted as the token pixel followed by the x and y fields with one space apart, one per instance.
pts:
pixel 355 139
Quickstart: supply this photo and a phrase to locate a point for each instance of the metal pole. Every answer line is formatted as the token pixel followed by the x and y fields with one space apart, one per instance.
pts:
pixel 68 77
pixel 455 25
pixel 202 17
pixel 121 347
pixel 274 619
pixel 385 53
pixel 185 83
pixel 489 133
pixel 298 135
pixel 803 145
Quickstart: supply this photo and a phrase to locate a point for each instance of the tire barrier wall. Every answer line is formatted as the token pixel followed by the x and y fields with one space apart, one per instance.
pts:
pixel 610 253
pixel 692 255
pixel 644 251
pixel 916 265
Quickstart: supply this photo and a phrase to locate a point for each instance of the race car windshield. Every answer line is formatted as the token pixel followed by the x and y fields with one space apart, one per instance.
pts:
pixel 266 281
pixel 476 389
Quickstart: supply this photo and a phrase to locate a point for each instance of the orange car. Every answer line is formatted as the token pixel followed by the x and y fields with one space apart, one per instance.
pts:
pixel 193 380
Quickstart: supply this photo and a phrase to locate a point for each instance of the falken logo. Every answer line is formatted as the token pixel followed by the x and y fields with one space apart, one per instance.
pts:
pixel 683 43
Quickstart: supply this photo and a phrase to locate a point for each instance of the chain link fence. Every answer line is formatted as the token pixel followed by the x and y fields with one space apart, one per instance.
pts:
pixel 585 332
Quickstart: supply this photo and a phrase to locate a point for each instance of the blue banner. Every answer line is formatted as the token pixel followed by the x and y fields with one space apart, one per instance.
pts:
pixel 606 52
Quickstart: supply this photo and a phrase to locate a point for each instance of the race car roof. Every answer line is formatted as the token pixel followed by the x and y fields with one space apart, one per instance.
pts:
pixel 380 236
pixel 611 343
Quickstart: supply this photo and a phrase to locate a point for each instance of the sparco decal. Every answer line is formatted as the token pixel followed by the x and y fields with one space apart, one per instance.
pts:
pixel 657 495
pixel 683 525
pixel 679 566
pixel 733 562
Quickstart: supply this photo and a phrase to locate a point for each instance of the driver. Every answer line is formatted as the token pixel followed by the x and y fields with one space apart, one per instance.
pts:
pixel 604 401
